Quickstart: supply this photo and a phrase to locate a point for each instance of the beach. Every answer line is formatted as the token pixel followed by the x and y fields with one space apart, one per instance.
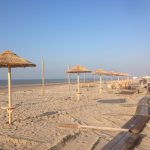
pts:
pixel 36 117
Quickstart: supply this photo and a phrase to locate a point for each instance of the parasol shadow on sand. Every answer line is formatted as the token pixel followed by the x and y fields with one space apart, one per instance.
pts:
pixel 9 60
pixel 77 70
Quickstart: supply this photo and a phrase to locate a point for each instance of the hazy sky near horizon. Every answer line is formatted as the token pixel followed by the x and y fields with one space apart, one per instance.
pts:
pixel 109 34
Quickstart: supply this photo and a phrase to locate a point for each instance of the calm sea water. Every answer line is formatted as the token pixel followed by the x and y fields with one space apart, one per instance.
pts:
pixel 32 81
pixel 38 81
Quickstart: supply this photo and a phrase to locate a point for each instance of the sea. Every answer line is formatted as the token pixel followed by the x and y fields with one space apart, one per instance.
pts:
pixel 39 81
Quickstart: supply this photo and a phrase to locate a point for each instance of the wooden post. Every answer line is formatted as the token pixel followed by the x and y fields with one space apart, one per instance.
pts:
pixel 100 84
pixel 43 77
pixel 106 80
pixel 111 79
pixel 94 78
pixel 77 126
pixel 9 96
pixel 84 78
pixel 78 86
pixel 68 78
pixel 122 78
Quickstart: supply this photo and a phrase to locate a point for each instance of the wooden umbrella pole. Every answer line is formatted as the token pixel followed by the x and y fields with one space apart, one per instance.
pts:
pixel 78 86
pixel 43 77
pixel 100 84
pixel 106 79
pixel 112 79
pixel 94 78
pixel 9 96
pixel 84 78
pixel 68 78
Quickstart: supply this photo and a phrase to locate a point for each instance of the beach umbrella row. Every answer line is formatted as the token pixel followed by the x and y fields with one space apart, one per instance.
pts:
pixel 9 60
pixel 101 72
pixel 80 69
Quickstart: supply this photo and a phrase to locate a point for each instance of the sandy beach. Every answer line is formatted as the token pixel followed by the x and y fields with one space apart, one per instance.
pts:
pixel 101 49
pixel 36 117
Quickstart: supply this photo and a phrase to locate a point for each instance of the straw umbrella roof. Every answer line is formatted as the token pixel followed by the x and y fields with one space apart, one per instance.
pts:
pixel 101 72
pixel 123 74
pixel 10 59
pixel 120 74
pixel 78 69
pixel 112 73
pixel 117 74
pixel 126 74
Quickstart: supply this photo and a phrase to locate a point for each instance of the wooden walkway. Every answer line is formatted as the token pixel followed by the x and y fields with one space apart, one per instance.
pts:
pixel 128 140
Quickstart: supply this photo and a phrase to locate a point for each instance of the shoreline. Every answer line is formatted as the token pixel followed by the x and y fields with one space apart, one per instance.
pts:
pixel 36 85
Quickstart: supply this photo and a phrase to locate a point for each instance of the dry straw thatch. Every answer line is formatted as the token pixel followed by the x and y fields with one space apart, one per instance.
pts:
pixel 12 60
pixel 124 74
pixel 101 72
pixel 78 69
pixel 112 73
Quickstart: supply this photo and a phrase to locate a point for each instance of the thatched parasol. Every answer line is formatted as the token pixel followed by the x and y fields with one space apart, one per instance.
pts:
pixel 100 72
pixel 78 69
pixel 10 60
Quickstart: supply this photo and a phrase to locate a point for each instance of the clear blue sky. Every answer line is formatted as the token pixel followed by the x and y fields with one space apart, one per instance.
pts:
pixel 109 34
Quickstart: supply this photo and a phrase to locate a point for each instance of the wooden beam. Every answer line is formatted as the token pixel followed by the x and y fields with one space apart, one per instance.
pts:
pixel 76 126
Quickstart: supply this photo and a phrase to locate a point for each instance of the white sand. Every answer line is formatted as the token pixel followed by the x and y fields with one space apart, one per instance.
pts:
pixel 36 117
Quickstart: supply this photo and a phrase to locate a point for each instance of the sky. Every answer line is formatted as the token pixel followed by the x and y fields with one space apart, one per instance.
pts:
pixel 112 35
